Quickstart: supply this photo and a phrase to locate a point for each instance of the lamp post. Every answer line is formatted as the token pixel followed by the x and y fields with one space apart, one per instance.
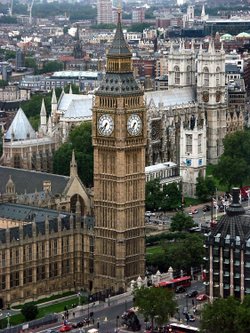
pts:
pixel 116 323
pixel 8 320
pixel 89 301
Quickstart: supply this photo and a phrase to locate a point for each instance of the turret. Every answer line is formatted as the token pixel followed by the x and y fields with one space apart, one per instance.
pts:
pixel 73 165
pixel 43 118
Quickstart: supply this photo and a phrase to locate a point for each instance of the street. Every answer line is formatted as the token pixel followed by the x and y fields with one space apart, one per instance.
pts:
pixel 108 317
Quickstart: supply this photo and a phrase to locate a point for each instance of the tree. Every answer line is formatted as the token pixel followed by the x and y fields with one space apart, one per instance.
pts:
pixel 52 66
pixel 80 139
pixel 3 83
pixel 233 167
pixel 220 316
pixel 29 311
pixel 156 304
pixel 171 197
pixel 153 194
pixel 184 253
pixel 181 222
pixel 205 188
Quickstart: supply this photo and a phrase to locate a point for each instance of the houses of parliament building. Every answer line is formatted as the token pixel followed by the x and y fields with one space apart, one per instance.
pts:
pixel 61 236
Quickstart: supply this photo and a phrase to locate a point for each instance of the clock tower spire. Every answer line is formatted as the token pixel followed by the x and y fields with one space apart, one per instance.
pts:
pixel 119 140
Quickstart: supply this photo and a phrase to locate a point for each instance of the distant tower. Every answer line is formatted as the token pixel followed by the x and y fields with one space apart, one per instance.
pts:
pixel 53 107
pixel 211 97
pixel 43 119
pixel 78 52
pixel 119 138
pixel 193 150
pixel 104 12
pixel 19 59
pixel 181 66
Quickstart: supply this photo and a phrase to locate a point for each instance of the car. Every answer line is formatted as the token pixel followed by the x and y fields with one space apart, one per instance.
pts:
pixel 192 293
pixel 78 325
pixel 206 208
pixel 148 213
pixel 180 290
pixel 202 297
pixel 191 318
pixel 193 211
pixel 65 328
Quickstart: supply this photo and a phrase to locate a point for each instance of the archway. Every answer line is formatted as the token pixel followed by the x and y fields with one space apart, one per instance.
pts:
pixel 73 201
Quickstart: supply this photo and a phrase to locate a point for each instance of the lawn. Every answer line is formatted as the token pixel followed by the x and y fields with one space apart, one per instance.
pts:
pixel 154 250
pixel 54 308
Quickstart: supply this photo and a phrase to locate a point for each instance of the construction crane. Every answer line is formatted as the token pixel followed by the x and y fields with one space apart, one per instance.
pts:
pixel 11 7
pixel 30 6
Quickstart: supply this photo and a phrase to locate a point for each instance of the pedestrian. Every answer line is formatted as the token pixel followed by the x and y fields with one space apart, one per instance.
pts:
pixel 74 314
pixel 193 302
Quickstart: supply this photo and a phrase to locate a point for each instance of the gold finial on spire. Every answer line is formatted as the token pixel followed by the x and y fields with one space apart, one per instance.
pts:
pixel 119 10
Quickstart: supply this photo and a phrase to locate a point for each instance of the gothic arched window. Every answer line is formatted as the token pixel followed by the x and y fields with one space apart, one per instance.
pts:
pixel 188 78
pixel 217 76
pixel 206 76
pixel 176 75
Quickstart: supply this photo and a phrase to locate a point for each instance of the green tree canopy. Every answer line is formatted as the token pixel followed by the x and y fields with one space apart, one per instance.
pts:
pixel 52 66
pixel 80 140
pixel 181 222
pixel 156 304
pixel 163 198
pixel 29 311
pixel 153 194
pixel 171 197
pixel 221 316
pixel 192 246
pixel 205 188
pixel 138 27
pixel 233 167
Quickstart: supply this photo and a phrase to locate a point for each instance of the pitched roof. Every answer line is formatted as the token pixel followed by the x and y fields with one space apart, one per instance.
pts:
pixel 20 128
pixel 79 108
pixel 30 180
pixel 171 97
pixel 119 46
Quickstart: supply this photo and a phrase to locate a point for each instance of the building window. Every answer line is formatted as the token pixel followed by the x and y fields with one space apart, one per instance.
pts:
pixel 217 76
pixel 14 279
pixel 189 139
pixel 199 143
pixel 27 275
pixel 176 75
pixel 206 77
pixel 188 78
pixel 2 282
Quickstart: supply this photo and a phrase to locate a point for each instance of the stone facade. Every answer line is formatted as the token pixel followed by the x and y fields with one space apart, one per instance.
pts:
pixel 119 139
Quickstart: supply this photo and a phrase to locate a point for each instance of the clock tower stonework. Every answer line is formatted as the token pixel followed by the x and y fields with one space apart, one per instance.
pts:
pixel 119 140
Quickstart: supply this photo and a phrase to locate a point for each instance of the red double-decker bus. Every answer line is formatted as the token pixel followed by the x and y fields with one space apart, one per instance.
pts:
pixel 184 281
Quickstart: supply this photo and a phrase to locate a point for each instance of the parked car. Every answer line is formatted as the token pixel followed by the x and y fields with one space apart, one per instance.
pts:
pixel 148 213
pixel 192 293
pixel 77 325
pixel 206 208
pixel 180 290
pixel 193 211
pixel 65 328
pixel 191 318
pixel 202 297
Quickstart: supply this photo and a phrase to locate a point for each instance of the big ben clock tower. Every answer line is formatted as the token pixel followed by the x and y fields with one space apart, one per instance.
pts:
pixel 119 140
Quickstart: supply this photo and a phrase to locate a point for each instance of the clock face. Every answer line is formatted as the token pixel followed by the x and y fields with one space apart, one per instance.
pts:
pixel 105 125
pixel 134 125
